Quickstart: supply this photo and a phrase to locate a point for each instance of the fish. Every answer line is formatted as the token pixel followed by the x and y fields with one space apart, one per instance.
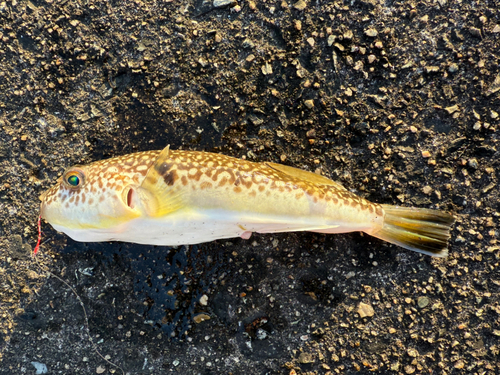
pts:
pixel 175 197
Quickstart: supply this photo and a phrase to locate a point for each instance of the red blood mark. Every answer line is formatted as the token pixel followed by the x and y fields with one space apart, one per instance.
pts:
pixel 37 247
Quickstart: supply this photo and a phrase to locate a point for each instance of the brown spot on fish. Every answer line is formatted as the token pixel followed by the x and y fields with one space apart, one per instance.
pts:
pixel 170 177
pixel 205 185
pixel 237 189
pixel 184 180
pixel 379 211
pixel 253 193
pixel 222 182
pixel 261 188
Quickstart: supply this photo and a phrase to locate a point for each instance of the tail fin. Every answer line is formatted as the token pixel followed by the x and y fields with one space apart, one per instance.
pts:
pixel 417 229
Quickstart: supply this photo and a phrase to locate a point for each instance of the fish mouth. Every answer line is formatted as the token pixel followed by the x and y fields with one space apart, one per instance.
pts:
pixel 42 196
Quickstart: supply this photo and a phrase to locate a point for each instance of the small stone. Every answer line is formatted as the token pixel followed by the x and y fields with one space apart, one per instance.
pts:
pixel 311 133
pixel 305 358
pixel 423 302
pixel 300 5
pixel 100 370
pixel 223 3
pixel 413 353
pixel 425 18
pixel 453 68
pixel 330 40
pixel 493 114
pixel 74 23
pixel 494 87
pixel 475 32
pixel 371 59
pixel 379 45
pixel 310 41
pixel 409 369
pixel 451 109
pixel 201 318
pixel 267 69
pixel 348 35
pixel 496 29
pixel 432 69
pixel 473 163
pixel 365 310
pixel 459 364
pixel 247 43
pixel 339 46
pixel 427 190
pixel 297 24
pixel 371 32
pixel 204 300
pixel 426 154
pixel 309 103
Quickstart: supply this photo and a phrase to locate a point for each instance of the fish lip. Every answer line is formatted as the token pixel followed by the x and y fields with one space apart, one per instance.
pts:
pixel 42 196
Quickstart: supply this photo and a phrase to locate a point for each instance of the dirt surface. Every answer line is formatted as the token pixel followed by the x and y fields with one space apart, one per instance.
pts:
pixel 398 101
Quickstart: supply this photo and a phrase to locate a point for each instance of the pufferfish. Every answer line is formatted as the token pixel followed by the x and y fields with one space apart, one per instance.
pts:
pixel 179 197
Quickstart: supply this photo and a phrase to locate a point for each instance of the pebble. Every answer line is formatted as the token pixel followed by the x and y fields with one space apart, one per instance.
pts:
pixel 223 3
pixel 306 358
pixel 473 163
pixel 451 109
pixel 300 5
pixel 427 189
pixel 309 103
pixel 413 353
pixel 431 69
pixel 365 310
pixel 330 40
pixel 426 154
pixel 204 300
pixel 41 368
pixel 423 302
pixel 100 370
pixel 201 318
pixel 371 32
pixel 311 41
pixel 453 68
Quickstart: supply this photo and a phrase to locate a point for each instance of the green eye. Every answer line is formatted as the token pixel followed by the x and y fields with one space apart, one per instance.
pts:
pixel 73 180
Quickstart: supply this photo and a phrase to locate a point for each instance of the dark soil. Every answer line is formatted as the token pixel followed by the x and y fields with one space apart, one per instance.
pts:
pixel 398 100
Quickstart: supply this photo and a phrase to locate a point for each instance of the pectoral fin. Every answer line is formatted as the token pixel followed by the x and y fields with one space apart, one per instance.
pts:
pixel 163 195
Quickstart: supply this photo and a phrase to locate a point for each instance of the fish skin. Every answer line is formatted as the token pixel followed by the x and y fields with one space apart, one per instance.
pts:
pixel 183 197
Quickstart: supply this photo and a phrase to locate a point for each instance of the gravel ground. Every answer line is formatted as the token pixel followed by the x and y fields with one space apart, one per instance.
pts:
pixel 398 101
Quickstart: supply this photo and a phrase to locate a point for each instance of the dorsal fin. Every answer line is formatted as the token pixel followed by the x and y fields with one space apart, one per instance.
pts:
pixel 165 196
pixel 304 175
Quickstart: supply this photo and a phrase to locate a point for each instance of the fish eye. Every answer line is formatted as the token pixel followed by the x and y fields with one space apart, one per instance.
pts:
pixel 73 178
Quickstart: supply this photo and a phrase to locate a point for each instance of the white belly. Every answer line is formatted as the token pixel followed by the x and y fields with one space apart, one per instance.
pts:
pixel 193 227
